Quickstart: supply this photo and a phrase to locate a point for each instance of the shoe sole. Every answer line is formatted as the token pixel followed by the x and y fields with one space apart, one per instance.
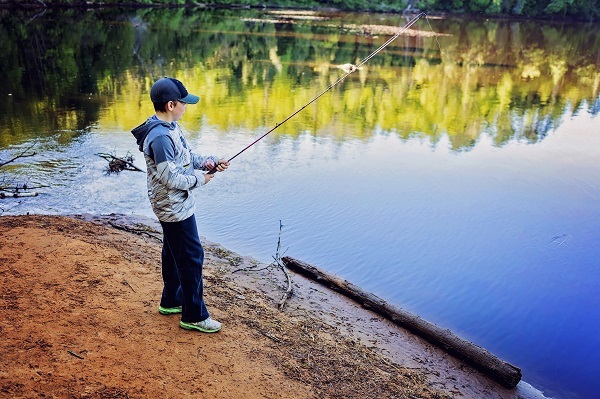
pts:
pixel 187 326
pixel 168 311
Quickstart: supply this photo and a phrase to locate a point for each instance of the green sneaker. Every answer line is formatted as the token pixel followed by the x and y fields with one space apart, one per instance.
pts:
pixel 168 311
pixel 208 326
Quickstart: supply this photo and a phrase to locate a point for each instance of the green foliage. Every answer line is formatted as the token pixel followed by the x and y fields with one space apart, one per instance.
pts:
pixel 457 4
pixel 512 79
pixel 427 4
pixel 479 5
pixel 581 9
pixel 558 6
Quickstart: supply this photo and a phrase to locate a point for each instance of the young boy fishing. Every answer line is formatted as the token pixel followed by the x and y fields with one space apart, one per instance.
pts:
pixel 171 166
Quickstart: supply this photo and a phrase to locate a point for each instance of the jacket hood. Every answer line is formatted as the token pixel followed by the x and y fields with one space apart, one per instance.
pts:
pixel 142 130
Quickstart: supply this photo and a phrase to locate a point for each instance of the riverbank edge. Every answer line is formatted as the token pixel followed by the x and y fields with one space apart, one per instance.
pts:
pixel 374 331
pixel 85 6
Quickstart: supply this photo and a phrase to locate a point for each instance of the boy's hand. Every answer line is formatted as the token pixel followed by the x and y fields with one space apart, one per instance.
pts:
pixel 222 165
pixel 208 177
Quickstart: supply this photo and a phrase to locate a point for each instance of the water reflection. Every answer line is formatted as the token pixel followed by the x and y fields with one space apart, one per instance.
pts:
pixel 509 80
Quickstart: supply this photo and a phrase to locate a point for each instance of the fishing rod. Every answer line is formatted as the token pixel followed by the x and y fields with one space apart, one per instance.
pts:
pixel 352 69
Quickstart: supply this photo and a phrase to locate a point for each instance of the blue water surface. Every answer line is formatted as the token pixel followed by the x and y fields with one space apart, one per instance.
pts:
pixel 498 244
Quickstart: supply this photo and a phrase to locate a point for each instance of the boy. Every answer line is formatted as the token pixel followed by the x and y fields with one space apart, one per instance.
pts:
pixel 171 179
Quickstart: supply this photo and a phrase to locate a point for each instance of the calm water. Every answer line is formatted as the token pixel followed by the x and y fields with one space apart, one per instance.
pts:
pixel 456 176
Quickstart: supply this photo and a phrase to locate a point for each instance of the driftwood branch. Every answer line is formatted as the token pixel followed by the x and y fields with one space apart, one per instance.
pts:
pixel 21 187
pixel 145 231
pixel 125 282
pixel 251 269
pixel 288 291
pixel 480 359
pixel 13 190
pixel 270 336
pixel 22 154
pixel 117 164
pixel 17 194
pixel 281 265
pixel 277 262
pixel 78 356
pixel 18 190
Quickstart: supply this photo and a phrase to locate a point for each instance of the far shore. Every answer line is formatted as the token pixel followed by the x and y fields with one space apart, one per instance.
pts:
pixel 41 6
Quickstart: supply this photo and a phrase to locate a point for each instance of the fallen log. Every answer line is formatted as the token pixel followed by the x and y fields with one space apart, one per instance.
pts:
pixel 17 194
pixel 480 359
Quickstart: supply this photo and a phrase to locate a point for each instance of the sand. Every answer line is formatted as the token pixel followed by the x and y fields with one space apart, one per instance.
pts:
pixel 79 304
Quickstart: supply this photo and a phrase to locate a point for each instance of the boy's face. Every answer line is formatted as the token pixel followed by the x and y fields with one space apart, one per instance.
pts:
pixel 177 109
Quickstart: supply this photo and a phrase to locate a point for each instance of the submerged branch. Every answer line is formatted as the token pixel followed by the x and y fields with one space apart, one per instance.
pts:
pixel 15 190
pixel 117 164
pixel 14 194
pixel 22 154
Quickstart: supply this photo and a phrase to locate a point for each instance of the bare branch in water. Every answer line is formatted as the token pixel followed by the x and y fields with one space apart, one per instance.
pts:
pixel 278 263
pixel 282 266
pixel 10 189
pixel 22 154
pixel 117 164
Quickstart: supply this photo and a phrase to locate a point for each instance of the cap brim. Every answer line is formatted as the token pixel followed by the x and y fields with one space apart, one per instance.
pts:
pixel 190 99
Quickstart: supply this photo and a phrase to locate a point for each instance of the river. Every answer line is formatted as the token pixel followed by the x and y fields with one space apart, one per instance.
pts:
pixel 456 174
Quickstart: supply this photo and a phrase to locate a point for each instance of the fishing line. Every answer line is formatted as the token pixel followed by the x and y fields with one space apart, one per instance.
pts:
pixel 450 61
pixel 351 70
pixel 436 39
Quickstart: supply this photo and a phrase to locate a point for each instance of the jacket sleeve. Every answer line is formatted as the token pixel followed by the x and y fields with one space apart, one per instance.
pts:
pixel 168 173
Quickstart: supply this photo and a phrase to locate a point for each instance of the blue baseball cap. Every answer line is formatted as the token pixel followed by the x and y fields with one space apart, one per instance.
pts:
pixel 170 89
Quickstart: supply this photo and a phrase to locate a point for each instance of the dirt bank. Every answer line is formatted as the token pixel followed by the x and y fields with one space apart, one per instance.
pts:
pixel 79 319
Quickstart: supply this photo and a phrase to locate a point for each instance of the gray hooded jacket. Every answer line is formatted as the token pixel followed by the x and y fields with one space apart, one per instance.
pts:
pixel 170 165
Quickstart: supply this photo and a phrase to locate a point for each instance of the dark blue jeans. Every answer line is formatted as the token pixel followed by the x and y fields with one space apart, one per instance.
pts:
pixel 182 259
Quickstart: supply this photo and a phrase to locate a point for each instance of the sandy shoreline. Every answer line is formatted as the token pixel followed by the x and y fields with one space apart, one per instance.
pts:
pixel 85 271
